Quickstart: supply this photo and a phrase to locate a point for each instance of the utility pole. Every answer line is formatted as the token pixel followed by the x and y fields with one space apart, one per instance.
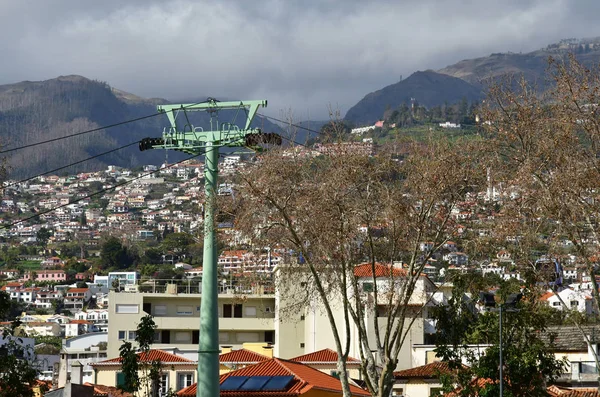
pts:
pixel 194 140
pixel 500 354
pixel 509 305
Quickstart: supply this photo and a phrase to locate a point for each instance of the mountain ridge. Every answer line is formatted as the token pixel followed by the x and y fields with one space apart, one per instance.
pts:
pixel 35 111
pixel 428 87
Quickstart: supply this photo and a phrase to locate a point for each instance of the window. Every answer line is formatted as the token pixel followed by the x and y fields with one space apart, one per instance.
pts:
pixel 574 303
pixel 121 335
pixel 227 310
pixel 270 336
pixel 302 345
pixel 436 391
pixel 250 311
pixel 237 311
pixel 247 337
pixel 127 309
pixel 120 379
pixel 163 387
pixel 230 310
pixel 368 287
pixel 555 303
pixel 182 336
pixel 131 335
pixel 184 379
pixel 223 337
pixel 398 392
pixel 185 310
pixel 160 310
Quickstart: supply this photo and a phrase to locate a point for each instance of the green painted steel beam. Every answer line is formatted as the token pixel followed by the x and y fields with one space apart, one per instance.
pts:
pixel 173 110
pixel 195 141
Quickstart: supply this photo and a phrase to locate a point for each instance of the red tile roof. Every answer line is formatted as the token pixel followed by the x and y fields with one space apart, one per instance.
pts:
pixel 108 391
pixel 160 355
pixel 322 356
pixel 477 383
pixel 242 356
pixel 366 270
pixel 556 391
pixel 78 290
pixel 547 296
pixel 431 370
pixel 305 379
pixel 80 322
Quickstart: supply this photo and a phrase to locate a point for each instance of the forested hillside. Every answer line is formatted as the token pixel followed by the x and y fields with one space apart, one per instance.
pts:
pixel 428 88
pixel 31 112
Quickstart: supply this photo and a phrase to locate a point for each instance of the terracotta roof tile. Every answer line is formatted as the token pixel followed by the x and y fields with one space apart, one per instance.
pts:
pixel 321 356
pixel 242 356
pixel 432 370
pixel 305 379
pixel 547 296
pixel 77 290
pixel 366 270
pixel 80 322
pixel 555 391
pixel 108 391
pixel 152 355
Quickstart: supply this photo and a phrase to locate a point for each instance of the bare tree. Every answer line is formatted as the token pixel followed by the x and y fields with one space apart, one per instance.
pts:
pixel 359 225
pixel 547 151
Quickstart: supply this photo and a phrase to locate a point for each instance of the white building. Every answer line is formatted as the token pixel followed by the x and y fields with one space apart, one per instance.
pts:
pixel 87 349
pixel 575 300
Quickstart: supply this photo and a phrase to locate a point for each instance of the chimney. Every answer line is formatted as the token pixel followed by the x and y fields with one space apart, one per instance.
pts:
pixel 225 349
pixel 267 350
pixel 76 373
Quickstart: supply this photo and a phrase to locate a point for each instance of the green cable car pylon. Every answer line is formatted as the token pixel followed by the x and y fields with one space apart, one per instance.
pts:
pixel 194 140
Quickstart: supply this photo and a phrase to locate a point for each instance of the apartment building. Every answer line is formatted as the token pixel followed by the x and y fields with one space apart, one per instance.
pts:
pixel 303 327
pixel 76 298
pixel 240 261
pixel 45 275
pixel 86 349
pixel 245 316
pixel 294 327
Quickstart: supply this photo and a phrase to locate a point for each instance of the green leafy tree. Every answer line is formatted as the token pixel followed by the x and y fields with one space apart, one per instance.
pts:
pixel 528 362
pixel 114 254
pixel 141 377
pixel 177 243
pixel 42 236
pixel 18 370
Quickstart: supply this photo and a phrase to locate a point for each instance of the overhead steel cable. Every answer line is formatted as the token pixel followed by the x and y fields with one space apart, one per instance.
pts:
pixel 70 165
pixel 106 189
pixel 93 130
pixel 291 124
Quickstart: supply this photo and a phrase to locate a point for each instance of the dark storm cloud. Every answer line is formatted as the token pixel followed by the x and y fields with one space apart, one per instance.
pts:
pixel 301 55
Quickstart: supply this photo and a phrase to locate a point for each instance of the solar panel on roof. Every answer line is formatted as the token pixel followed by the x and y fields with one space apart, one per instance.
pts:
pixel 277 383
pixel 255 383
pixel 233 383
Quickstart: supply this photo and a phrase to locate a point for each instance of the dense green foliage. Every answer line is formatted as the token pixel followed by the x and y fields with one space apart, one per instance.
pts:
pixel 528 361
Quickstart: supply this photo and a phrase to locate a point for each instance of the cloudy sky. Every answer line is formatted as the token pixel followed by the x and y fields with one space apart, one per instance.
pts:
pixel 302 55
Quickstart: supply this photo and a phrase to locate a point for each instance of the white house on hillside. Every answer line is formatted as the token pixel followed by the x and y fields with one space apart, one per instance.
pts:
pixel 576 300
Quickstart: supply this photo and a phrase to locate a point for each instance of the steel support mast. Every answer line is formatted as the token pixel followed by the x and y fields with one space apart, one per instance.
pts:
pixel 195 140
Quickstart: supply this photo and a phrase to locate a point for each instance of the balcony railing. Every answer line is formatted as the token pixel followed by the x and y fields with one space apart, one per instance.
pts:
pixel 225 287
